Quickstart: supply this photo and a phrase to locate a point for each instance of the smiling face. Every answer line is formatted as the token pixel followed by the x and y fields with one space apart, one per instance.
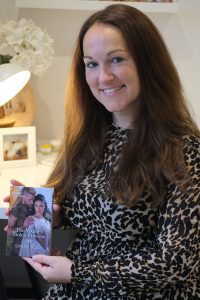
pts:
pixel 111 72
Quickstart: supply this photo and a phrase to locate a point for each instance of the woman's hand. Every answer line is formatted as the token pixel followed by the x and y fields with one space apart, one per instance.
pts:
pixel 57 215
pixel 54 269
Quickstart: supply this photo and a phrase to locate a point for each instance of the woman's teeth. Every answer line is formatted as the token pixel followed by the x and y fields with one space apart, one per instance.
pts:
pixel 111 90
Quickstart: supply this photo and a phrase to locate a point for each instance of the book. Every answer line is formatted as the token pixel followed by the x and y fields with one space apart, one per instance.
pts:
pixel 30 221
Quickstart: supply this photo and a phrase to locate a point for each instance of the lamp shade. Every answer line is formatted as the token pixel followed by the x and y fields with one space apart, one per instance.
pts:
pixel 12 80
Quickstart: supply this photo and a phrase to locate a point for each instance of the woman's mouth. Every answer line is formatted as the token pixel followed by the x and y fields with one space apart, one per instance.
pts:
pixel 109 91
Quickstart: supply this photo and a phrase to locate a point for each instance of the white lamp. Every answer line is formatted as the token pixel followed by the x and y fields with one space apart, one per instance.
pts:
pixel 12 80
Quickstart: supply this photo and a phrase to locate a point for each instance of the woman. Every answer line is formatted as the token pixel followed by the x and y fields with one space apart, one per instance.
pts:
pixel 127 175
pixel 36 237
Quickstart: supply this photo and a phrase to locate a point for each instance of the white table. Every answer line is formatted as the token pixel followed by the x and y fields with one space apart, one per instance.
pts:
pixel 30 176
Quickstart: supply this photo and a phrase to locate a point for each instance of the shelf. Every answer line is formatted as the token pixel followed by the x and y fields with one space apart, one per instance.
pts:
pixel 96 5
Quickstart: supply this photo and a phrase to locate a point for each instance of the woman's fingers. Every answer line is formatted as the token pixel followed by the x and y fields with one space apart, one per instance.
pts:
pixel 43 259
pixel 56 208
pixel 7 211
pixel 52 268
pixel 15 182
pixel 6 199
pixel 34 264
pixel 57 217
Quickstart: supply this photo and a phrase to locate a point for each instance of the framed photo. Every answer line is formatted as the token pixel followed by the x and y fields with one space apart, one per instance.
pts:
pixel 17 147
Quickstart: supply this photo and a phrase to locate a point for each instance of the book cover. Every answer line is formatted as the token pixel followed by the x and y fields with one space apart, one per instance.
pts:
pixel 30 221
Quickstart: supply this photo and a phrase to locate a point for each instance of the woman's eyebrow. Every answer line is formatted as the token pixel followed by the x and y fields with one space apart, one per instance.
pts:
pixel 108 54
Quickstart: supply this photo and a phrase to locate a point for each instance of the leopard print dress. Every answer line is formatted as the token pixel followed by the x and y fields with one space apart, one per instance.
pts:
pixel 138 253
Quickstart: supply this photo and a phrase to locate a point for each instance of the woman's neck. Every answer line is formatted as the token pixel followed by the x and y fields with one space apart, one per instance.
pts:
pixel 122 121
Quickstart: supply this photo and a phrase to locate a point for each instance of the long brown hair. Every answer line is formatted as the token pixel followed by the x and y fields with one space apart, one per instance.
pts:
pixel 154 150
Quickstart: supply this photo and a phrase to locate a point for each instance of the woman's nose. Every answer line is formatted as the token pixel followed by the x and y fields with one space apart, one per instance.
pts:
pixel 105 74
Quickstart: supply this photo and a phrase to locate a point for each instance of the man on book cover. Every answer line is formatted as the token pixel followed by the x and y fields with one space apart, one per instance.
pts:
pixel 36 236
pixel 22 208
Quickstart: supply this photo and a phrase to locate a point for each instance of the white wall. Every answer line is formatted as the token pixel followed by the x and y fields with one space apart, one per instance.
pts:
pixel 181 32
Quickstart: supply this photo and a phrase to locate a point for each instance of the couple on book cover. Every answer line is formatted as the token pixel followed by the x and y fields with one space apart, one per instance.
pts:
pixel 29 222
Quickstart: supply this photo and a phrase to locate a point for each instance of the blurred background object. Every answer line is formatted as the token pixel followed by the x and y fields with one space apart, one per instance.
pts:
pixel 12 80
pixel 26 45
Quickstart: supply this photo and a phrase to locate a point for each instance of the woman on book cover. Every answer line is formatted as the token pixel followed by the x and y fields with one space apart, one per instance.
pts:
pixel 36 237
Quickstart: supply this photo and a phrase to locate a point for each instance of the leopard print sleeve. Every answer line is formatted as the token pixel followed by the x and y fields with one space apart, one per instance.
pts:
pixel 171 260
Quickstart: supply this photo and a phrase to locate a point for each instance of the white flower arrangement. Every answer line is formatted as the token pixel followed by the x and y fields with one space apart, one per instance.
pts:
pixel 25 44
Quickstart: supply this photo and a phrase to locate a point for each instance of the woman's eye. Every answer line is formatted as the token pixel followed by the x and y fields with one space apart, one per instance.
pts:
pixel 91 65
pixel 117 59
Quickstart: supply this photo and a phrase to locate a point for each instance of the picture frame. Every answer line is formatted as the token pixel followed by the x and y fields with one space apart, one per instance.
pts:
pixel 17 147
